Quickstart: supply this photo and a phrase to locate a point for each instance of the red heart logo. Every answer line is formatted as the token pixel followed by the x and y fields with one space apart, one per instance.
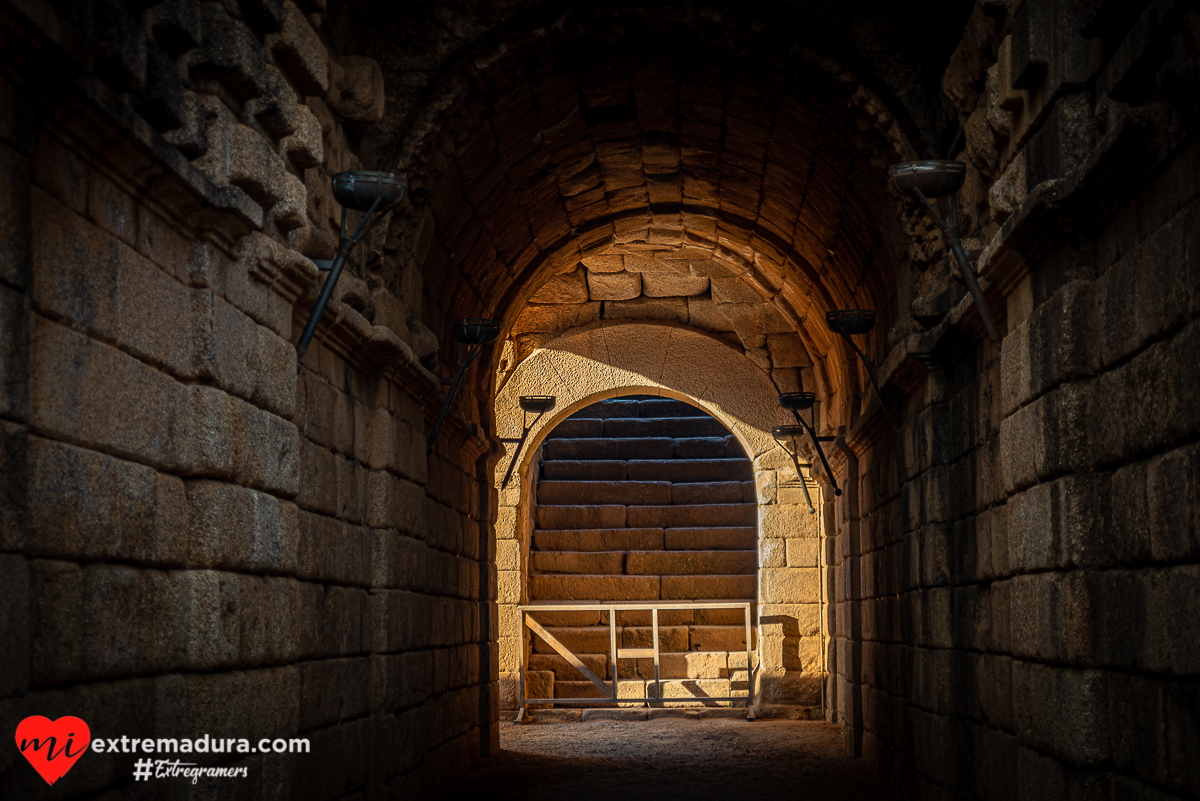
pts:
pixel 52 746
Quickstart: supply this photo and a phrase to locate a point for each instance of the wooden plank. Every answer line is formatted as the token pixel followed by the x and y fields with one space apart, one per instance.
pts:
pixel 655 649
pixel 635 653
pixel 612 647
pixel 567 655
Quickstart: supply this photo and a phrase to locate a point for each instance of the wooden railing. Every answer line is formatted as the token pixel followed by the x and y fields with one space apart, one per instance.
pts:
pixel 614 653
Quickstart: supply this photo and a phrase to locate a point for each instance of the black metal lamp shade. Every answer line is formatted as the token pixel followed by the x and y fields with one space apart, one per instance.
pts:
pixel 850 321
pixel 475 331
pixel 929 178
pixel 360 190
pixel 783 434
pixel 536 403
pixel 797 401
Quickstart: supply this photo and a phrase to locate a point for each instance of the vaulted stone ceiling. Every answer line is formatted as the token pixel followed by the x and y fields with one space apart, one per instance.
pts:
pixel 630 168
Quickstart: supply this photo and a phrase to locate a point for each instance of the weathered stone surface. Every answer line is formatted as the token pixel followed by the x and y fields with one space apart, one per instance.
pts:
pixel 709 539
pixel 581 517
pixel 298 49
pixel 569 287
pixel 669 285
pixel 645 308
pixel 693 516
pixel 621 539
pixel 613 286
pixel 681 563
pixel 604 492
pixel 587 562
pixel 601 588
pixel 360 94
pixel 708 587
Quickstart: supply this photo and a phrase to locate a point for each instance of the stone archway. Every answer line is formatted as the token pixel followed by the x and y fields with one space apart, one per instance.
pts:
pixel 612 360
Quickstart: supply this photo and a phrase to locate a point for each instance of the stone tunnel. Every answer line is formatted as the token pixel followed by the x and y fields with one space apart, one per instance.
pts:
pixel 976 556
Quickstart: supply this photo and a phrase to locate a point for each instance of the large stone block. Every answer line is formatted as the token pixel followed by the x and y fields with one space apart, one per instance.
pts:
pixel 14 354
pixel 584 517
pixel 16 625
pixel 688 470
pixel 609 449
pixel 589 562
pixel 708 515
pixel 698 588
pixel 670 638
pixel 720 538
pixel 688 563
pixel 565 671
pixel 299 51
pixel 640 539
pixel 77 382
pixel 86 504
pixel 712 492
pixel 790 585
pixel 604 492
pixel 590 640
pixel 595 588
pixel 590 470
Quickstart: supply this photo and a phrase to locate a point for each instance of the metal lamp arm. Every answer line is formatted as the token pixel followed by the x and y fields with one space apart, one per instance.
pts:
pixel 820 452
pixel 345 245
pixel 951 235
pixel 803 485
pixel 520 444
pixel 871 374
pixel 458 374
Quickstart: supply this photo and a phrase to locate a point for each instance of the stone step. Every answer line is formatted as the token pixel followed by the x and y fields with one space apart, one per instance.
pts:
pixel 565 671
pixel 713 492
pixel 719 638
pixel 642 448
pixel 584 470
pixel 690 516
pixel 577 640
pixel 585 562
pixel 670 638
pixel 664 427
pixel 629 493
pixel 716 538
pixel 700 447
pixel 689 563
pixel 596 588
pixel 685 471
pixel 608 539
pixel 577 428
pixel 666 407
pixel 583 517
pixel 708 588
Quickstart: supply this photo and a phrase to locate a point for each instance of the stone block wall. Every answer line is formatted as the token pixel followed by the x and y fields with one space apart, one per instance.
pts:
pixel 1019 570
pixel 194 538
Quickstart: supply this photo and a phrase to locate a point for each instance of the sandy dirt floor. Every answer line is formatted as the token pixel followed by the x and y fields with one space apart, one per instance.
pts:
pixel 668 759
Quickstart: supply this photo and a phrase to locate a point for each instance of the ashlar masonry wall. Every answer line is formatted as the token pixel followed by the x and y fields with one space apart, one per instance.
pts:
pixel 195 539
pixel 1021 570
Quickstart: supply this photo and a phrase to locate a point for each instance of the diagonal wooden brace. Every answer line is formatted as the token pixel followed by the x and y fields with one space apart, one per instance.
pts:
pixel 567 655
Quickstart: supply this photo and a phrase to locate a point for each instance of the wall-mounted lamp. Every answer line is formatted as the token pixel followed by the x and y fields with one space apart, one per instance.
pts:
pixel 474 333
pixel 849 322
pixel 790 436
pixel 530 404
pixel 372 192
pixel 933 179
pixel 796 402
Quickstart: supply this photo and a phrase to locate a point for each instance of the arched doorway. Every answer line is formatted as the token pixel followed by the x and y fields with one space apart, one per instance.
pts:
pixel 583 367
